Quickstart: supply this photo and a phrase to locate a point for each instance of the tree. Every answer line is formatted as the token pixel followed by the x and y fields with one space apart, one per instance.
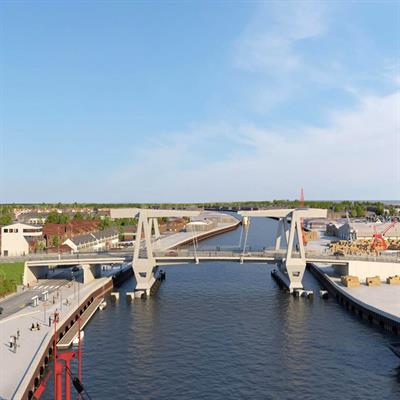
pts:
pixel 56 241
pixel 5 217
pixel 78 216
pixel 379 209
pixel 105 223
pixel 56 218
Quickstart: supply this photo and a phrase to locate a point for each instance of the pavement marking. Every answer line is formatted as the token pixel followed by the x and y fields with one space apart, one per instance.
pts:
pixel 56 287
pixel 38 287
pixel 45 287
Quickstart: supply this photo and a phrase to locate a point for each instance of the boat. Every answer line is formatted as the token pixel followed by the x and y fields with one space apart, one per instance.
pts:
pixel 395 347
pixel 75 341
pixel 103 305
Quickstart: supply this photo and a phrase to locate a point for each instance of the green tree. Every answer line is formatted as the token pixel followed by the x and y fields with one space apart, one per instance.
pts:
pixel 56 241
pixel 5 216
pixel 56 218
pixel 105 223
pixel 379 209
pixel 78 216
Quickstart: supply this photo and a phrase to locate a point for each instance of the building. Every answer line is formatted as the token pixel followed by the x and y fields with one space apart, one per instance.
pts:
pixel 57 233
pixel 95 241
pixel 16 238
pixel 33 218
pixel 362 230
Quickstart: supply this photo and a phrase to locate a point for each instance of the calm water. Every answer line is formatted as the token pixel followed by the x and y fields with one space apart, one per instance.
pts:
pixel 225 331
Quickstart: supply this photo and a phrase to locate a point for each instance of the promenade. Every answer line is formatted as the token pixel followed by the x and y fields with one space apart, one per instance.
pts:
pixel 16 364
pixel 383 299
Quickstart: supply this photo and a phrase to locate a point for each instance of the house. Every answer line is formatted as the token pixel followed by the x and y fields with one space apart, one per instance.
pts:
pixel 33 218
pixel 16 238
pixel 95 241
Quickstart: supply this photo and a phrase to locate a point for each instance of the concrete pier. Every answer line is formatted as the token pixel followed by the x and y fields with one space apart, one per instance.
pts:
pixel 378 305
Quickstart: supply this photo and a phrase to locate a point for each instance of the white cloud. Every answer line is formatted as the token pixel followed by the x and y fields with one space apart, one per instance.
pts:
pixel 355 156
pixel 267 44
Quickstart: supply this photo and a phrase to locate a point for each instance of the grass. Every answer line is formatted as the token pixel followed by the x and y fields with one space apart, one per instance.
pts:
pixel 10 277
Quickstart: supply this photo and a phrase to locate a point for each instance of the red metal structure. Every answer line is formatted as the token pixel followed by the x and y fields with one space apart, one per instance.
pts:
pixel 378 240
pixel 62 363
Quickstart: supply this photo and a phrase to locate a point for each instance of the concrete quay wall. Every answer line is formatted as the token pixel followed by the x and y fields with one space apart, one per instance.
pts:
pixel 361 309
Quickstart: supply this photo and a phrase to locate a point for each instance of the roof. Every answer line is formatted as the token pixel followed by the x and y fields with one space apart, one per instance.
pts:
pixel 22 225
pixel 94 236
pixel 366 229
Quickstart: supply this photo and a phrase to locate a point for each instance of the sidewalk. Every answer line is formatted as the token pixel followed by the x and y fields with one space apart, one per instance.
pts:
pixel 16 365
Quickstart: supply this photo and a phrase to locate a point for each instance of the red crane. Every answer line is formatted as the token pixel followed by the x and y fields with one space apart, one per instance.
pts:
pixel 378 240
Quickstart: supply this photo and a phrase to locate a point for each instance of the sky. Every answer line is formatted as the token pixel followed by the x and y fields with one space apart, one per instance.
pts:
pixel 189 101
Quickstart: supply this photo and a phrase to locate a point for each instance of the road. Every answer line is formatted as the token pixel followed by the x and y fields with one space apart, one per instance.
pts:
pixel 21 300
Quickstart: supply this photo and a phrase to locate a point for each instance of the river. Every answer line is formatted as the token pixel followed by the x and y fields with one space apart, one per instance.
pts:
pixel 226 331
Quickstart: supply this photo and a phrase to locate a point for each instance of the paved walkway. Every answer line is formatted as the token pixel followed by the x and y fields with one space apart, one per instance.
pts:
pixel 383 299
pixel 27 354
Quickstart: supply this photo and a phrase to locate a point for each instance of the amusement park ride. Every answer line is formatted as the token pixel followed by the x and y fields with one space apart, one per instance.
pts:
pixel 62 364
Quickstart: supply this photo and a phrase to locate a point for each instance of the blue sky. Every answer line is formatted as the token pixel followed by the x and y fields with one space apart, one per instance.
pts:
pixel 199 101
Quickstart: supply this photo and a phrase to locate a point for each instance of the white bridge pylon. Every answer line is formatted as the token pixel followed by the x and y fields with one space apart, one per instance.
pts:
pixel 144 263
pixel 289 231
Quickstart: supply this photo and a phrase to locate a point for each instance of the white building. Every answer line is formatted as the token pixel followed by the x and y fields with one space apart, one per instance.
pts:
pixel 95 241
pixel 15 238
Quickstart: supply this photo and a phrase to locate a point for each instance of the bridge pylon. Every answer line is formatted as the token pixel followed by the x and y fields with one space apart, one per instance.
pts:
pixel 144 263
pixel 289 240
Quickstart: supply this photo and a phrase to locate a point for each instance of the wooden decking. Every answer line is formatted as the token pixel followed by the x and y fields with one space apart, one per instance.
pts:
pixel 67 339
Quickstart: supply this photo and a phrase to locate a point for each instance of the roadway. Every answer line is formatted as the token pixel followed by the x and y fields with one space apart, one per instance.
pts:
pixel 54 283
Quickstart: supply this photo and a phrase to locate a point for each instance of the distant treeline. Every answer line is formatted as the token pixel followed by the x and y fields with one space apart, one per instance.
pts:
pixel 354 208
pixel 249 203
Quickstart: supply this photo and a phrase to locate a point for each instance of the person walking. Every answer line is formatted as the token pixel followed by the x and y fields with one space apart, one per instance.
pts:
pixel 11 341
pixel 18 334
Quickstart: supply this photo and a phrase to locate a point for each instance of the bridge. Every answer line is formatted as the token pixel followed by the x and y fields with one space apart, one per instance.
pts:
pixel 289 252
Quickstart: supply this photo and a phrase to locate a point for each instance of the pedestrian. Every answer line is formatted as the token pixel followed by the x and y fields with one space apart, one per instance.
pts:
pixel 15 343
pixel 18 333
pixel 49 320
pixel 11 341
pixel 37 326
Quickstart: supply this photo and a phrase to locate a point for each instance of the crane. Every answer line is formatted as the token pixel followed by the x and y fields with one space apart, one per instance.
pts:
pixel 378 240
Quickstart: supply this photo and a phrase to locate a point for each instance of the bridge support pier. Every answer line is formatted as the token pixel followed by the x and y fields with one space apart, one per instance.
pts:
pixel 295 271
pixel 91 272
